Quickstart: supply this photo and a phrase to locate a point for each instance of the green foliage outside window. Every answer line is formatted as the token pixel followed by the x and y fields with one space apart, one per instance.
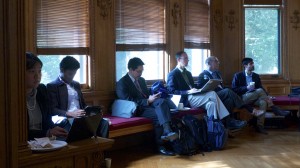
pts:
pixel 262 27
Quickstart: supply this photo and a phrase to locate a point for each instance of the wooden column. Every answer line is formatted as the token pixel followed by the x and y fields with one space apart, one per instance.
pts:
pixel 13 115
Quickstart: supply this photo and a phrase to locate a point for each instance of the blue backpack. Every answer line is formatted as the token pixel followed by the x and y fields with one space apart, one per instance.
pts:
pixel 217 133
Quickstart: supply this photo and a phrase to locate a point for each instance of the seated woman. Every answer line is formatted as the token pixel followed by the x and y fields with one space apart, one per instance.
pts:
pixel 39 111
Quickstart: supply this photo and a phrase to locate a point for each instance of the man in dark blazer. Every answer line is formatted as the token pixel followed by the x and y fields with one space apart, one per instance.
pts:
pixel 180 81
pixel 66 96
pixel 248 85
pixel 230 99
pixel 133 87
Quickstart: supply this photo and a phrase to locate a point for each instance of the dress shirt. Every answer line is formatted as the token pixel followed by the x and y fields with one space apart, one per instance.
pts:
pixel 73 99
pixel 248 78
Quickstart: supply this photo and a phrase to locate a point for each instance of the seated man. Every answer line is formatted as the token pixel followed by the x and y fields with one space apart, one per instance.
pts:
pixel 133 87
pixel 247 84
pixel 66 96
pixel 180 81
pixel 229 98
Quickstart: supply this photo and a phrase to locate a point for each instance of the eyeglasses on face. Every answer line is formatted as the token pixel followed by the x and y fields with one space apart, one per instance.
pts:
pixel 184 58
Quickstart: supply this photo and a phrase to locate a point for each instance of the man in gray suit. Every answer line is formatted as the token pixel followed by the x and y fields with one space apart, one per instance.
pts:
pixel 133 87
pixel 230 99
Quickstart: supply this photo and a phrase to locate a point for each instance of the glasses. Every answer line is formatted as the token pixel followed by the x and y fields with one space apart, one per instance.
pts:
pixel 184 58
pixel 139 71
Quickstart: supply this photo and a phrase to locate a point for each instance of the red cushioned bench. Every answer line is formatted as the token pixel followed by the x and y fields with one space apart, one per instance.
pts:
pixel 125 126
pixel 286 102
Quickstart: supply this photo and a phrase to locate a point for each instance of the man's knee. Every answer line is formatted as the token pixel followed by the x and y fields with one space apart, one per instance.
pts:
pixel 263 104
pixel 260 92
pixel 159 102
pixel 210 105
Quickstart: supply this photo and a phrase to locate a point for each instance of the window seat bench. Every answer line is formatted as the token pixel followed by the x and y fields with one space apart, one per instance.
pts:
pixel 287 103
pixel 126 126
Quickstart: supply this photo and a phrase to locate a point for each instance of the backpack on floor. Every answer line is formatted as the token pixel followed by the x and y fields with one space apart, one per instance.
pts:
pixel 217 133
pixel 198 128
pixel 185 144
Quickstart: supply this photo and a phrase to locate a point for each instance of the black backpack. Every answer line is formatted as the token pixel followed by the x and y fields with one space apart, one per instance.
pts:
pixel 198 128
pixel 185 144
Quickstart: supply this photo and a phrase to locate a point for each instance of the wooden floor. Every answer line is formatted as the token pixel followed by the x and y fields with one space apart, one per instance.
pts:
pixel 281 148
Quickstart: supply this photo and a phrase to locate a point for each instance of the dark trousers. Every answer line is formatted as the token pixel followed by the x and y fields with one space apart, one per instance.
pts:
pixel 230 99
pixel 159 113
pixel 102 130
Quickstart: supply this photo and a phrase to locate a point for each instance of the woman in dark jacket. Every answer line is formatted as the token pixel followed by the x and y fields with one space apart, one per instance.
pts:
pixel 39 118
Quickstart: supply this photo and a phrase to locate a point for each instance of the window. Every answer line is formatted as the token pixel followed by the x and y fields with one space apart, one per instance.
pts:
pixel 196 35
pixel 140 32
pixel 62 28
pixel 262 35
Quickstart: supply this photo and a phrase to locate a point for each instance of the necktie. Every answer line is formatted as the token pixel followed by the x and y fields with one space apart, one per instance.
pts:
pixel 215 75
pixel 137 85
pixel 185 77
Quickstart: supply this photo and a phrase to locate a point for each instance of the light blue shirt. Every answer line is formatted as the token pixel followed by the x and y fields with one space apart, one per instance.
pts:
pixel 248 78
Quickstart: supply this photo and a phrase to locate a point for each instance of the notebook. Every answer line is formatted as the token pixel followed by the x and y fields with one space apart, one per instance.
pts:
pixel 211 85
pixel 84 127
pixel 91 110
pixel 175 99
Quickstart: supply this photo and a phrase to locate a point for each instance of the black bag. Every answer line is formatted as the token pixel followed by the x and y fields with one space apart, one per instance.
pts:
pixel 198 128
pixel 185 144
pixel 295 92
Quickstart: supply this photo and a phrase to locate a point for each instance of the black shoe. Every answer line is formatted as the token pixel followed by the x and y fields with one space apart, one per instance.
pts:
pixel 277 111
pixel 236 124
pixel 260 129
pixel 162 150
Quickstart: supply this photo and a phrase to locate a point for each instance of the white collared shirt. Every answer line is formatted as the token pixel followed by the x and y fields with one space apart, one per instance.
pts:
pixel 73 98
pixel 178 66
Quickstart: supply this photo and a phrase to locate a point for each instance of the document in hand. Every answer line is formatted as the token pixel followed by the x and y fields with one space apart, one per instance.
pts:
pixel 211 85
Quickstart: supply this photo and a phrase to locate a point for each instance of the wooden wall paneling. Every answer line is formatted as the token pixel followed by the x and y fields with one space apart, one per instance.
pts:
pixel 29 26
pixel 4 151
pixel 232 41
pixel 16 77
pixel 104 45
pixel 277 89
pixel 175 29
pixel 216 29
pixel 293 38
pixel 103 98
pixel 13 121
